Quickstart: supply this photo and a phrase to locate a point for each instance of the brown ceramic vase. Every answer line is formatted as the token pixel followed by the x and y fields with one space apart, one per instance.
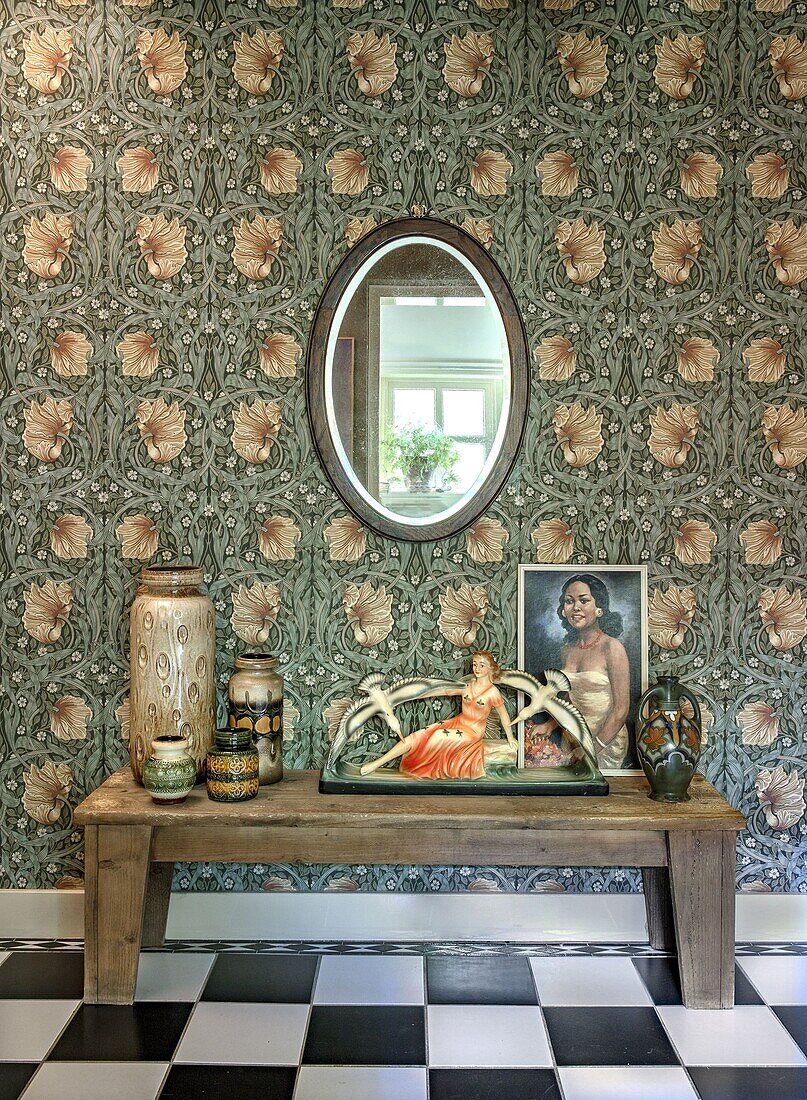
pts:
pixel 172 664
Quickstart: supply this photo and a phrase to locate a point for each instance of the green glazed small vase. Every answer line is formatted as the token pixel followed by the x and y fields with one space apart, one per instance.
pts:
pixel 232 766
pixel 169 774
pixel 668 739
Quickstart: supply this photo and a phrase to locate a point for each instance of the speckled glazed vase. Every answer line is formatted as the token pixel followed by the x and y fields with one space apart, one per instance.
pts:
pixel 172 664
pixel 232 767
pixel 668 738
pixel 255 695
pixel 169 773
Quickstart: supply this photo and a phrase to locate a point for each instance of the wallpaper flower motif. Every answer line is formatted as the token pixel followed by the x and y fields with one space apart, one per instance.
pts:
pixel 69 717
pixel 765 359
pixel 69 536
pixel 762 542
pixel 47 428
pixel 139 169
pixel 257 244
pixel 583 63
pixel 462 613
pixel 672 433
pixel 46 791
pixel 47 609
pixel 670 616
pixel 47 244
pixel 255 609
pixel 161 242
pixel 347 539
pixel 162 59
pixel 468 61
pixel 161 425
pixel 558 173
pixel 372 60
pixel 47 58
pixel 178 186
pixel 69 168
pixel 257 60
pixel 769 175
pixel 786 243
pixel 679 62
pixel 554 541
pixel 789 63
pixel 70 353
pixel 279 171
pixel 485 540
pixel 256 429
pixel 784 616
pixel 675 249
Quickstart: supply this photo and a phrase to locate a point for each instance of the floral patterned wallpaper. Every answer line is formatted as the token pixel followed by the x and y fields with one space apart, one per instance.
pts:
pixel 178 181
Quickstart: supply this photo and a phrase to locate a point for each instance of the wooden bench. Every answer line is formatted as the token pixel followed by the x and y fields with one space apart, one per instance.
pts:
pixel 686 853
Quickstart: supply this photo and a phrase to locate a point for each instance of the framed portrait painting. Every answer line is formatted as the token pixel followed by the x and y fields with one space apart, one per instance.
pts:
pixel 590 622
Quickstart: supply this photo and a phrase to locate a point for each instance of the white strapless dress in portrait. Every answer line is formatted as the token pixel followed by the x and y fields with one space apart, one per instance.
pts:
pixel 591 694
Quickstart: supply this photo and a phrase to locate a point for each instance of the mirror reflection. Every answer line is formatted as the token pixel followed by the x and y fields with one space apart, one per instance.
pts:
pixel 418 380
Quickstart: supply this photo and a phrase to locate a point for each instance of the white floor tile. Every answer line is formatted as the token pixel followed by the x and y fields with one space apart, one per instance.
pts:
pixel 626 1083
pixel 487 1035
pixel 97 1081
pixel 28 1028
pixel 361 1083
pixel 588 982
pixel 172 976
pixel 779 979
pixel 749 1035
pixel 383 980
pixel 222 1033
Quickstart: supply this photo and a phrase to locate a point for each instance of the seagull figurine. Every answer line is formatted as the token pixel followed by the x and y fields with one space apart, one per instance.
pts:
pixel 381 701
pixel 545 697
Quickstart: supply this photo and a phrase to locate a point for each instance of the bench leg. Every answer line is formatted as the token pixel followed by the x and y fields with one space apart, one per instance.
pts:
pixel 702 878
pixel 658 906
pixel 158 895
pixel 116 872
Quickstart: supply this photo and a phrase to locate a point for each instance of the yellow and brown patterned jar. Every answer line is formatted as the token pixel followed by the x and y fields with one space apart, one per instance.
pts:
pixel 172 662
pixel 232 767
pixel 256 703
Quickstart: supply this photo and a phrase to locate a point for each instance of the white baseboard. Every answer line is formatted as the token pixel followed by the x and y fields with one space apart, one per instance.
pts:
pixel 520 918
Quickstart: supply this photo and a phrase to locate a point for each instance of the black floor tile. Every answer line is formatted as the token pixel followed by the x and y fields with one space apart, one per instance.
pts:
pixel 794 1017
pixel 14 1076
pixel 492 981
pixel 269 979
pixel 373 1035
pixel 42 975
pixel 660 975
pixel 493 1084
pixel 236 1082
pixel 750 1083
pixel 142 1032
pixel 608 1037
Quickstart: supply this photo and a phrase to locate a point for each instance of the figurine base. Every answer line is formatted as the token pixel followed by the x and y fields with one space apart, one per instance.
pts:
pixel 579 779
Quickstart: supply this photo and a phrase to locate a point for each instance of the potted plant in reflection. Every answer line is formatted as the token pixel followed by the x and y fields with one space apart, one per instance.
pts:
pixel 421 455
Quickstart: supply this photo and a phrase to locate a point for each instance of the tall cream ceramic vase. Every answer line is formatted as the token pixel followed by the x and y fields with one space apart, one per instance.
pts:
pixel 172 664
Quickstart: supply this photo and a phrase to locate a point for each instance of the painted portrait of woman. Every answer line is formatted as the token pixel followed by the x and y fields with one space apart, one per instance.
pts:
pixel 589 624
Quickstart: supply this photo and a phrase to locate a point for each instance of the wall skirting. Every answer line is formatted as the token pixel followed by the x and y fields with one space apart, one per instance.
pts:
pixel 520 918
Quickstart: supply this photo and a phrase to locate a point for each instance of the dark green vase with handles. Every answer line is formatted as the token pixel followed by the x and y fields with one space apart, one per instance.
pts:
pixel 668 738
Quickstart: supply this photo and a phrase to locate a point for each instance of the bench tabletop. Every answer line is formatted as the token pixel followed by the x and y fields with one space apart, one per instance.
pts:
pixel 296 802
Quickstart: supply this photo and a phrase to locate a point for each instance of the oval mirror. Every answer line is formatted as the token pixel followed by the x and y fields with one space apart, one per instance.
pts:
pixel 417 379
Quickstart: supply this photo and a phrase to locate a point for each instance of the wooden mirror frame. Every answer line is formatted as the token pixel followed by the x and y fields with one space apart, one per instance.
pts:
pixel 336 286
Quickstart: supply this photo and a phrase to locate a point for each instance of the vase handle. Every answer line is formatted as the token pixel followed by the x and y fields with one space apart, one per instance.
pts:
pixel 687 694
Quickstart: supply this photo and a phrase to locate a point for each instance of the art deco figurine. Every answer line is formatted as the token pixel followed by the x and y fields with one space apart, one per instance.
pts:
pixel 465 752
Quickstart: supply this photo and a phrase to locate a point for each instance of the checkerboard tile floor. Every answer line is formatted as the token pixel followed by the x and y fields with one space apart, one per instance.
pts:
pixel 324 1026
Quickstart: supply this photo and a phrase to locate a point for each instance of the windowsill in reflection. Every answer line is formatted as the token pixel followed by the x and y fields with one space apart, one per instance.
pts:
pixel 404 503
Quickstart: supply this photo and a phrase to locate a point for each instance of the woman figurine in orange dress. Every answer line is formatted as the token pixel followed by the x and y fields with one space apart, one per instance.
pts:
pixel 454 749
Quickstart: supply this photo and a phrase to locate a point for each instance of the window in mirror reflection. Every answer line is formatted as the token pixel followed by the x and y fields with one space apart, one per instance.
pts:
pixel 429 381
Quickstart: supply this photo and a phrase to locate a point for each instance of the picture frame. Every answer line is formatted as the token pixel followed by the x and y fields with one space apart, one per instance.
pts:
pixel 551 639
